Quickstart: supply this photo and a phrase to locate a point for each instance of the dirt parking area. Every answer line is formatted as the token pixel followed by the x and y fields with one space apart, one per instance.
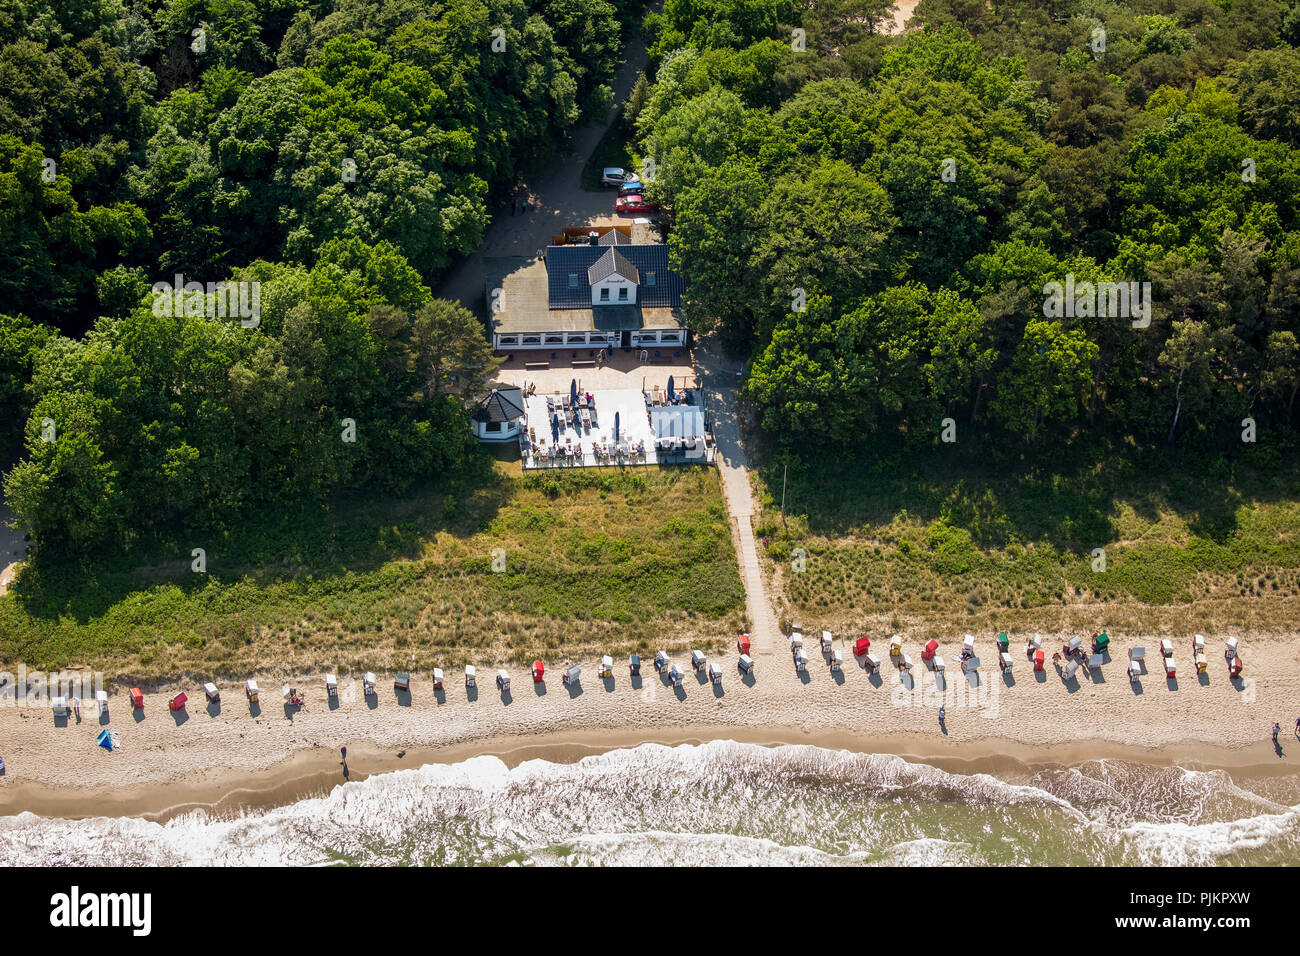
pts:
pixel 555 199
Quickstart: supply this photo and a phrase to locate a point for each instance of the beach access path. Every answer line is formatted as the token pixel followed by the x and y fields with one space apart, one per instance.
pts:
pixel 719 378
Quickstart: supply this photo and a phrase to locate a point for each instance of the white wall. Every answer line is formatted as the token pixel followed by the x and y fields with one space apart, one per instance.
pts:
pixel 509 431
pixel 546 340
pixel 613 283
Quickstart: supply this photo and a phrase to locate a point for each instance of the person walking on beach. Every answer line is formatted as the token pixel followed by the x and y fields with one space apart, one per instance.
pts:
pixel 1276 729
pixel 942 715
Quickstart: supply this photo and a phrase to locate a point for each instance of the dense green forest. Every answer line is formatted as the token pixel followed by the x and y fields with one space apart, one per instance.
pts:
pixel 333 156
pixel 875 219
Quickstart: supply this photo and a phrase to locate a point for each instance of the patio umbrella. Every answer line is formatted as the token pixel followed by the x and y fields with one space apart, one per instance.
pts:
pixel 573 391
pixel 555 429
pixel 670 388
pixel 616 426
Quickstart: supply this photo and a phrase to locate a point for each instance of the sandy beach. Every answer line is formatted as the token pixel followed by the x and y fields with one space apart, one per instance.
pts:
pixel 227 759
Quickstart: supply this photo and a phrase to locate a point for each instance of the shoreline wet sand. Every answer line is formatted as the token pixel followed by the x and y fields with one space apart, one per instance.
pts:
pixel 315 772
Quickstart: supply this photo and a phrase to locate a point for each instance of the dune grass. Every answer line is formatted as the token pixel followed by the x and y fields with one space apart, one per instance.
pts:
pixel 556 566
pixel 959 540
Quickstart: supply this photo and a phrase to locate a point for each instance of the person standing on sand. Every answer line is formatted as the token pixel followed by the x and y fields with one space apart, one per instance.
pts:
pixel 942 714
pixel 1276 729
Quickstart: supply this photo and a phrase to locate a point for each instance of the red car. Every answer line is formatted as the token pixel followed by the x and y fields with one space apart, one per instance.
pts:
pixel 634 203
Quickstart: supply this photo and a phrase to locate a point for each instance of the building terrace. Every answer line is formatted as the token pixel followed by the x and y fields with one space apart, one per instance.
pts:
pixel 616 426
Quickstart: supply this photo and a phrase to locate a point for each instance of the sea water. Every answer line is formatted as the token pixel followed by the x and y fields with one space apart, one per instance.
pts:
pixel 717 803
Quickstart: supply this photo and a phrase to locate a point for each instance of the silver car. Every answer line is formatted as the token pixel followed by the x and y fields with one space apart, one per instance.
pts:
pixel 615 176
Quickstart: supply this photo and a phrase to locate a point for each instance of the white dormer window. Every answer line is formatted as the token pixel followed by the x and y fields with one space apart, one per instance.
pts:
pixel 604 294
pixel 622 294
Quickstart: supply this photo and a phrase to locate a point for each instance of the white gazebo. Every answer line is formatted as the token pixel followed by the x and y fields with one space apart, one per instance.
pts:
pixel 500 416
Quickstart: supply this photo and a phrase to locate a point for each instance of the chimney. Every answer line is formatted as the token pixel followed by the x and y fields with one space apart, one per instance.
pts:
pixel 593 238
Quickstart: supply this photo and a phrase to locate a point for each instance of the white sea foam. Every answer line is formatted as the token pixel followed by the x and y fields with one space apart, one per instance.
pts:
pixel 720 803
pixel 1202 844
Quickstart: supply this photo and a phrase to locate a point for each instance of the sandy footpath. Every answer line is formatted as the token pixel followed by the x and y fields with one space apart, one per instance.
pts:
pixel 903 10
pixel 226 756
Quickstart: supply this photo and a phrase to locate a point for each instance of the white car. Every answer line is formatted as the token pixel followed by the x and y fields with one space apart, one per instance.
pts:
pixel 614 176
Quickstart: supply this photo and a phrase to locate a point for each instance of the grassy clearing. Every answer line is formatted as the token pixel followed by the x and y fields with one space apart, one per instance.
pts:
pixel 595 562
pixel 953 541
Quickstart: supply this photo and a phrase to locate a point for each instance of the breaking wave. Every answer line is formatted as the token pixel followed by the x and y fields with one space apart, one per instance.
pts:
pixel 719 803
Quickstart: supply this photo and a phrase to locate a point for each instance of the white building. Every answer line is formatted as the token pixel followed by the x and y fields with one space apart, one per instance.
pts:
pixel 500 416
pixel 607 288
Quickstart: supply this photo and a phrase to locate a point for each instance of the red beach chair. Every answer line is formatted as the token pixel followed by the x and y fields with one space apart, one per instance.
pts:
pixel 178 701
pixel 539 672
pixel 861 646
pixel 137 698
pixel 742 643
pixel 930 648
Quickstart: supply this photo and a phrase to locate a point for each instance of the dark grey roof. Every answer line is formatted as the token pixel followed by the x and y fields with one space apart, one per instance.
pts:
pixel 611 263
pixel 501 405
pixel 575 260
pixel 614 238
pixel 616 318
